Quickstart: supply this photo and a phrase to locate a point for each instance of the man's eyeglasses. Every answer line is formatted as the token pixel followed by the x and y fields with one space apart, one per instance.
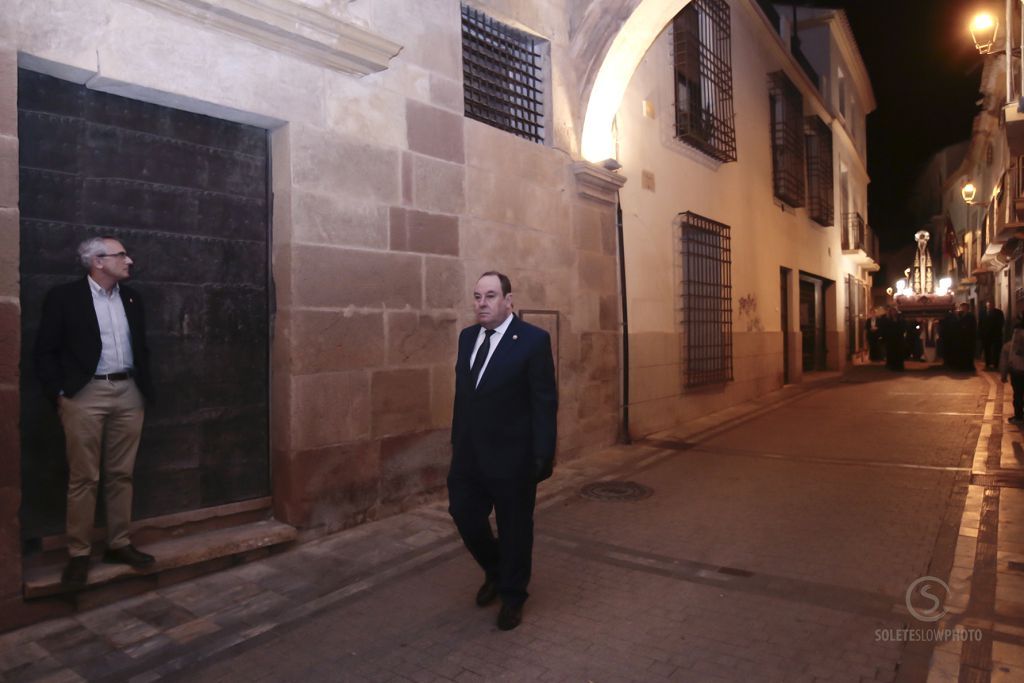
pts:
pixel 120 254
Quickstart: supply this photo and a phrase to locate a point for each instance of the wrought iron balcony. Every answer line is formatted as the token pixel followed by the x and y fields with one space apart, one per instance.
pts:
pixel 859 241
pixel 853 231
pixel 804 63
pixel 773 16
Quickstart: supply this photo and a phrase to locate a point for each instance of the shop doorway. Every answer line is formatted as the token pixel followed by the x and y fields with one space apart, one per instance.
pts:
pixel 812 323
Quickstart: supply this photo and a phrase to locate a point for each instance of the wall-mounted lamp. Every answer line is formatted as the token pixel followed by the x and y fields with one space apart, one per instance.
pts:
pixel 984 27
pixel 888 290
pixel 901 287
pixel 944 285
pixel 968 192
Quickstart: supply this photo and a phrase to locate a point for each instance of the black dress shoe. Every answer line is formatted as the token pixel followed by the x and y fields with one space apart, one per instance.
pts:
pixel 510 616
pixel 128 555
pixel 76 573
pixel 487 594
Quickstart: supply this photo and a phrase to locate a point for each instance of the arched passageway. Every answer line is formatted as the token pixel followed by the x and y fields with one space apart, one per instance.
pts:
pixel 628 37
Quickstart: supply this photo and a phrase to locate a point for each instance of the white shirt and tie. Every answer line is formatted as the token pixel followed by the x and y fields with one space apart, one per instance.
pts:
pixel 499 332
pixel 115 337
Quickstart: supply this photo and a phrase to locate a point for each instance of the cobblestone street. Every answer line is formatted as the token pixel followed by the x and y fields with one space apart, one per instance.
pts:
pixel 778 543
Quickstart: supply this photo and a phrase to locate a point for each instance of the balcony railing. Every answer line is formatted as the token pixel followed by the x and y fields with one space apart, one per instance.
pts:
pixel 853 231
pixel 773 16
pixel 858 236
pixel 804 63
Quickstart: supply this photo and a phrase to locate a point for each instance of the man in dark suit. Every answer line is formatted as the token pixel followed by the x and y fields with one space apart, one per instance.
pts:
pixel 92 360
pixel 503 441
pixel 967 328
pixel 990 329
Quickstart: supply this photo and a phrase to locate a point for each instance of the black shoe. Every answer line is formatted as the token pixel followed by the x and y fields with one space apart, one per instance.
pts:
pixel 128 555
pixel 510 616
pixel 487 594
pixel 76 573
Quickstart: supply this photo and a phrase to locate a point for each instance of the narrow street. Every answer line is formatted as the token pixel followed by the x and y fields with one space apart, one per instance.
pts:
pixel 775 542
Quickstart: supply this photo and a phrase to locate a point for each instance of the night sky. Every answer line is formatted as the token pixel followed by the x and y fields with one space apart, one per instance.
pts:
pixel 925 73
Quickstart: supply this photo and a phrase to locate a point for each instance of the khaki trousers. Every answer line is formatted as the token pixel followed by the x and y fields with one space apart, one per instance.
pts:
pixel 102 427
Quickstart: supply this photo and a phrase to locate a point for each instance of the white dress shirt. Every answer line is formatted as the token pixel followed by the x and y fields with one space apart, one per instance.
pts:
pixel 115 337
pixel 499 332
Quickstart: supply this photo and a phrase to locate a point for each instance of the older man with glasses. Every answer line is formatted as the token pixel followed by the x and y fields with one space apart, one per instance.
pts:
pixel 92 360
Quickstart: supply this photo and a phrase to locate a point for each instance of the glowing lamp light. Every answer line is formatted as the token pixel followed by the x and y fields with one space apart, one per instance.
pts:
pixel 620 63
pixel 888 290
pixel 983 31
pixel 901 287
pixel 968 193
pixel 944 285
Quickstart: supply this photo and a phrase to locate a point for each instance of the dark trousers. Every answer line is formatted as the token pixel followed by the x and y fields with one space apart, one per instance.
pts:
pixel 1017 382
pixel 508 558
pixel 992 349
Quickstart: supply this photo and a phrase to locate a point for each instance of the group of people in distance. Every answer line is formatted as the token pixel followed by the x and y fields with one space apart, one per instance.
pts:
pixel 895 339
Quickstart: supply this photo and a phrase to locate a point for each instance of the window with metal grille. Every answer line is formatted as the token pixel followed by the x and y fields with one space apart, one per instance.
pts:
pixel 707 301
pixel 787 106
pixel 820 190
pixel 703 74
pixel 502 76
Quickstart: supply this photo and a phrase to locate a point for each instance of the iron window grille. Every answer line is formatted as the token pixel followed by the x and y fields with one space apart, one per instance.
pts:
pixel 707 301
pixel 787 105
pixel 502 76
pixel 703 76
pixel 820 189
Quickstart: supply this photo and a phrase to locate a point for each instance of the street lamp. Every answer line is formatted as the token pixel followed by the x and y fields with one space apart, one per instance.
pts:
pixel 984 27
pixel 968 193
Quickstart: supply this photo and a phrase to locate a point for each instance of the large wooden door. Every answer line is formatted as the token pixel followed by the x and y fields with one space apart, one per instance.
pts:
pixel 187 195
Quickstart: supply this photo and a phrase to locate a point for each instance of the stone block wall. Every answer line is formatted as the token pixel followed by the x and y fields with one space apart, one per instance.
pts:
pixel 394 204
pixel 10 327
pixel 388 204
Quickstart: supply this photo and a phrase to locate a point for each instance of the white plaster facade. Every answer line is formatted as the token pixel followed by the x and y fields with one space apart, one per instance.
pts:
pixel 765 235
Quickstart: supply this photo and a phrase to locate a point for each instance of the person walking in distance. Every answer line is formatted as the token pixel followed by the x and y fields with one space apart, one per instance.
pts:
pixel 894 333
pixel 1011 366
pixel 503 442
pixel 93 362
pixel 990 329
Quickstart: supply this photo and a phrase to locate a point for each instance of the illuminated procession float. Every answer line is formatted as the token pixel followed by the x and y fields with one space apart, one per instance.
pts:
pixel 918 296
pixel 922 302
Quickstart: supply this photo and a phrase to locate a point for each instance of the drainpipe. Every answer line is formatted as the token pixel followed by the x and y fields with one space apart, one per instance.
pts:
pixel 624 436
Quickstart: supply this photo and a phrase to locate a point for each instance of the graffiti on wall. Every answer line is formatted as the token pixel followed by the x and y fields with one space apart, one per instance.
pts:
pixel 748 314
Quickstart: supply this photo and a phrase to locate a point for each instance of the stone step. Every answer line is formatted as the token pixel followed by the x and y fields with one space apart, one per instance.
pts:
pixel 171 554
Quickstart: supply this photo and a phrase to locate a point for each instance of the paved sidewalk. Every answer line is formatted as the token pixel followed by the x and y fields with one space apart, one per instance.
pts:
pixel 778 543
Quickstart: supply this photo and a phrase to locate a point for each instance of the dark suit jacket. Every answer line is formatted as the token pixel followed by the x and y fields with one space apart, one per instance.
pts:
pixel 509 421
pixel 68 346
pixel 990 327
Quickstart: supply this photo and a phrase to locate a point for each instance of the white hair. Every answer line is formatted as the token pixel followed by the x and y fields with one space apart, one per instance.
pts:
pixel 90 248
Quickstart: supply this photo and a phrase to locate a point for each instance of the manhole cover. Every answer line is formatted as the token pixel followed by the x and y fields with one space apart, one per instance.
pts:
pixel 623 491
